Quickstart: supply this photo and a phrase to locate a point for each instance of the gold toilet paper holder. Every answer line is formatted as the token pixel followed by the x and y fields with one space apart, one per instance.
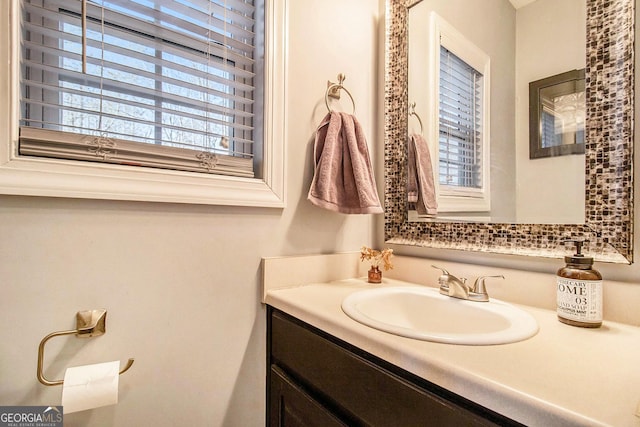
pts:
pixel 89 323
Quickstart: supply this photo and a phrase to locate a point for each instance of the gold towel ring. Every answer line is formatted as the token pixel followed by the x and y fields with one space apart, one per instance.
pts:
pixel 412 112
pixel 334 91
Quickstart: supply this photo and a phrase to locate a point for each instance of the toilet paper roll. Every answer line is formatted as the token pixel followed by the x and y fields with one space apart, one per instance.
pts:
pixel 90 386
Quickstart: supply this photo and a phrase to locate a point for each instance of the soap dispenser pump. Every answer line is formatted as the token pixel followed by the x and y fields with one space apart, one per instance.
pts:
pixel 579 291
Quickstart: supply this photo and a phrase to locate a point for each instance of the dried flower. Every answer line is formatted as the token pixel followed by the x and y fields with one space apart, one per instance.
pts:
pixel 376 257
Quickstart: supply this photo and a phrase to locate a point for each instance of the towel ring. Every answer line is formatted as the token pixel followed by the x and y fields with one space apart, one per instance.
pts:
pixel 412 112
pixel 336 87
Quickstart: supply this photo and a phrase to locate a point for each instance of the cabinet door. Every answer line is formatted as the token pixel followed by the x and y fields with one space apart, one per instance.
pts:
pixel 290 406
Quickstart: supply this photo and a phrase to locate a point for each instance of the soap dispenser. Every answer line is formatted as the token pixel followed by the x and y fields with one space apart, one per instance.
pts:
pixel 579 288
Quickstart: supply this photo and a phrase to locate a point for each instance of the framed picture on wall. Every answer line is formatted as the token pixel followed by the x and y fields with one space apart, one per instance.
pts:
pixel 557 115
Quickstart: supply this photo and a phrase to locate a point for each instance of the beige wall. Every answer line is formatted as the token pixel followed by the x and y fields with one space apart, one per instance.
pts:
pixel 180 282
pixel 550 189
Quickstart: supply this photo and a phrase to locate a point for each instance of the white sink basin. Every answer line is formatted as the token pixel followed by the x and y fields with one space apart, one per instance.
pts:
pixel 423 313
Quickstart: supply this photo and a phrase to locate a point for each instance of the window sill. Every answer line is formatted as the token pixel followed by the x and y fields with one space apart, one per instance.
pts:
pixel 458 204
pixel 41 177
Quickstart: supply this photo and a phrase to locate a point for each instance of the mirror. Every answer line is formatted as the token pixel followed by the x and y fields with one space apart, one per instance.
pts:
pixel 607 182
pixel 480 141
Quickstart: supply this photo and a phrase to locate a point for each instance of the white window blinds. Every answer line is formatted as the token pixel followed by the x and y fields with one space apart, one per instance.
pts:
pixel 460 123
pixel 155 83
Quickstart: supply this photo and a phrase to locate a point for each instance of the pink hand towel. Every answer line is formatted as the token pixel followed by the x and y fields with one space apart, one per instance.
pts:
pixel 343 180
pixel 421 188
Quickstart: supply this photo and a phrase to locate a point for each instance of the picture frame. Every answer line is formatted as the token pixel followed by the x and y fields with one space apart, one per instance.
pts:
pixel 557 115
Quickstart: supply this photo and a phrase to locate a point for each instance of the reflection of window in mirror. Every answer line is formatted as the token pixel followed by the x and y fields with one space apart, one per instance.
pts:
pixel 462 121
pixel 460 125
pixel 562 120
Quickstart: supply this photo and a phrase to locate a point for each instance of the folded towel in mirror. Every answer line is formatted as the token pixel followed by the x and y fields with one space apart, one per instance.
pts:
pixel 421 187
pixel 343 179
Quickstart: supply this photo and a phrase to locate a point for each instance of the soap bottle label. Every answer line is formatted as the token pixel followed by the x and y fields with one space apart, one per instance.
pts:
pixel 580 300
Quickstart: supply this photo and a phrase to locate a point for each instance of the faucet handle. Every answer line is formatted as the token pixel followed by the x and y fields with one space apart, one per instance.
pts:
pixel 445 272
pixel 480 288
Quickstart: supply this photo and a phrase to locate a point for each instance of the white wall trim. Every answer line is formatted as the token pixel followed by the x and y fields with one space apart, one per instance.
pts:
pixel 64 178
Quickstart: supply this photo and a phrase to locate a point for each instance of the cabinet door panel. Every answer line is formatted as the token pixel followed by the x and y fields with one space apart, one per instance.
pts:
pixel 290 406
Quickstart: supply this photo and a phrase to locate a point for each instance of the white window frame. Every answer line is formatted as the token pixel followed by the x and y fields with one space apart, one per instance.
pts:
pixel 70 178
pixel 450 198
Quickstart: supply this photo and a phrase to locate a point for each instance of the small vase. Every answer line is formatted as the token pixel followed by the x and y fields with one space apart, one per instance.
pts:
pixel 375 275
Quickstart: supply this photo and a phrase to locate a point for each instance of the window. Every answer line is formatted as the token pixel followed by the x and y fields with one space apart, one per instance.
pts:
pixel 150 83
pixel 462 128
pixel 176 87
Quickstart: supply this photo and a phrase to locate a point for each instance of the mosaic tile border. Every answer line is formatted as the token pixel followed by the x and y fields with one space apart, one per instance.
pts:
pixel 609 151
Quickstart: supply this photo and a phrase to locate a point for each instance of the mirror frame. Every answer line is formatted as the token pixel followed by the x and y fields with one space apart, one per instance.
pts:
pixel 609 81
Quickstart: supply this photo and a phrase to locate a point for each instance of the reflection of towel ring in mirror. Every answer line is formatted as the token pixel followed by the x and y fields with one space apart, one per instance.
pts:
pixel 412 112
pixel 335 87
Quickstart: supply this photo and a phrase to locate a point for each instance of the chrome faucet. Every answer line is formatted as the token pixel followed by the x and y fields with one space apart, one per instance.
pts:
pixel 457 287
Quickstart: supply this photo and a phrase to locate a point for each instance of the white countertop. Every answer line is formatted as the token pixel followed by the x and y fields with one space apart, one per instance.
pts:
pixel 563 376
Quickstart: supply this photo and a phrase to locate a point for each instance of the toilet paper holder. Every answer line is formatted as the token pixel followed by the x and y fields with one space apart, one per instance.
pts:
pixel 89 323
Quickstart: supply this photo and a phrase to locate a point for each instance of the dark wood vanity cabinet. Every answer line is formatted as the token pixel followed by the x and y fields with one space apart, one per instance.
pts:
pixel 315 379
